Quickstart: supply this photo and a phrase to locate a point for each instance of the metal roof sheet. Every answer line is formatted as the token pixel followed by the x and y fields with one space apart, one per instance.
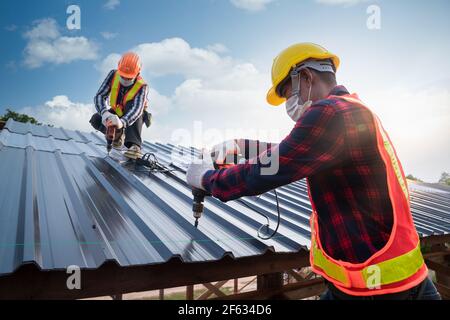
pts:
pixel 64 202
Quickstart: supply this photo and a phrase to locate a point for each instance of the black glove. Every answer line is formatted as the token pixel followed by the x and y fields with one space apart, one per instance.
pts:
pixel 147 118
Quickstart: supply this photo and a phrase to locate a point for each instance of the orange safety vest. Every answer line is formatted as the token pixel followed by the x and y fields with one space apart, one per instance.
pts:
pixel 399 265
pixel 115 89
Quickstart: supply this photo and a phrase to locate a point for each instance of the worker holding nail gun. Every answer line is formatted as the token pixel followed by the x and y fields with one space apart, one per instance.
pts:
pixel 123 119
pixel 363 239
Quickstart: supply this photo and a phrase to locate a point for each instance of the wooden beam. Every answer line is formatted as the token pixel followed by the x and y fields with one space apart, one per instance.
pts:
pixel 443 290
pixel 312 290
pixel 236 286
pixel 190 292
pixel 435 239
pixel 295 275
pixel 213 289
pixel 439 268
pixel 270 283
pixel 28 282
pixel 247 284
pixel 298 290
pixel 442 253
pixel 310 276
pixel 161 294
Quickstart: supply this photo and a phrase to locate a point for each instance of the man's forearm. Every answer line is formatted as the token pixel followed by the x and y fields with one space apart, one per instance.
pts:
pixel 245 179
pixel 100 104
pixel 303 153
pixel 102 94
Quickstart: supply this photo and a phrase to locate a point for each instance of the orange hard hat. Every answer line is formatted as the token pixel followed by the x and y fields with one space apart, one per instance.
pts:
pixel 129 65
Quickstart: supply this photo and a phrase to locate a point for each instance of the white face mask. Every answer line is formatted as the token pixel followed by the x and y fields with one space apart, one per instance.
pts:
pixel 295 107
pixel 126 83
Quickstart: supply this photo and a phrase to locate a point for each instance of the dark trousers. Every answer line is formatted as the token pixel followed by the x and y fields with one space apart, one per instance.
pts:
pixel 424 291
pixel 132 133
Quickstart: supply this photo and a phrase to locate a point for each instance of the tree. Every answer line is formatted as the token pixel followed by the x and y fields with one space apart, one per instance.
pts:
pixel 411 177
pixel 445 178
pixel 20 117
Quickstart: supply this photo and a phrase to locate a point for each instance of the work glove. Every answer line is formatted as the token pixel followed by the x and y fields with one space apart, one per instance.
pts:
pixel 105 116
pixel 197 170
pixel 229 148
pixel 115 121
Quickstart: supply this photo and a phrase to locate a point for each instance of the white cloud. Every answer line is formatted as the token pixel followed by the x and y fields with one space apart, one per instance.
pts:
pixel 221 92
pixel 218 48
pixel 61 112
pixel 108 35
pixel 108 63
pixel 11 28
pixel 417 122
pixel 112 4
pixel 340 2
pixel 160 104
pixel 43 29
pixel 224 94
pixel 175 56
pixel 47 45
pixel 251 5
pixel 228 97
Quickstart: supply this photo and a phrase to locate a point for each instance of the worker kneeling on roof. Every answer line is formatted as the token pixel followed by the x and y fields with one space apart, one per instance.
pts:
pixel 363 239
pixel 127 110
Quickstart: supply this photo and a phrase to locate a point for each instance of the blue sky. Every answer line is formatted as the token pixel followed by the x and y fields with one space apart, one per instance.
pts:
pixel 209 61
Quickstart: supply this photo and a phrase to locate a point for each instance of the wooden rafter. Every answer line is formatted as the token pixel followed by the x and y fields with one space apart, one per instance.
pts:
pixel 438 267
pixel 247 284
pixel 212 289
pixel 443 290
pixel 189 292
pixel 28 282
pixel 297 276
pixel 297 290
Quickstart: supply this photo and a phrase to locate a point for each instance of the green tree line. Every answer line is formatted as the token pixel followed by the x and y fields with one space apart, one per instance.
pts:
pixel 19 117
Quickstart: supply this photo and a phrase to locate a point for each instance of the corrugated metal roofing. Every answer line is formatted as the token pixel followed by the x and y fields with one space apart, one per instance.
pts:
pixel 63 202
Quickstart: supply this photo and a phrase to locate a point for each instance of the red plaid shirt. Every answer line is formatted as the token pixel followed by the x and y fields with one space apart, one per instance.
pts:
pixel 333 145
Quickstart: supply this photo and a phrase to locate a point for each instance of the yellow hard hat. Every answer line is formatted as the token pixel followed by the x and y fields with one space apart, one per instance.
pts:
pixel 290 57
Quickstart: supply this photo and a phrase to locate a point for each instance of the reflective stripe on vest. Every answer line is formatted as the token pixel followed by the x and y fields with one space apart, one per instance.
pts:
pixel 390 150
pixel 390 271
pixel 399 264
pixel 115 89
